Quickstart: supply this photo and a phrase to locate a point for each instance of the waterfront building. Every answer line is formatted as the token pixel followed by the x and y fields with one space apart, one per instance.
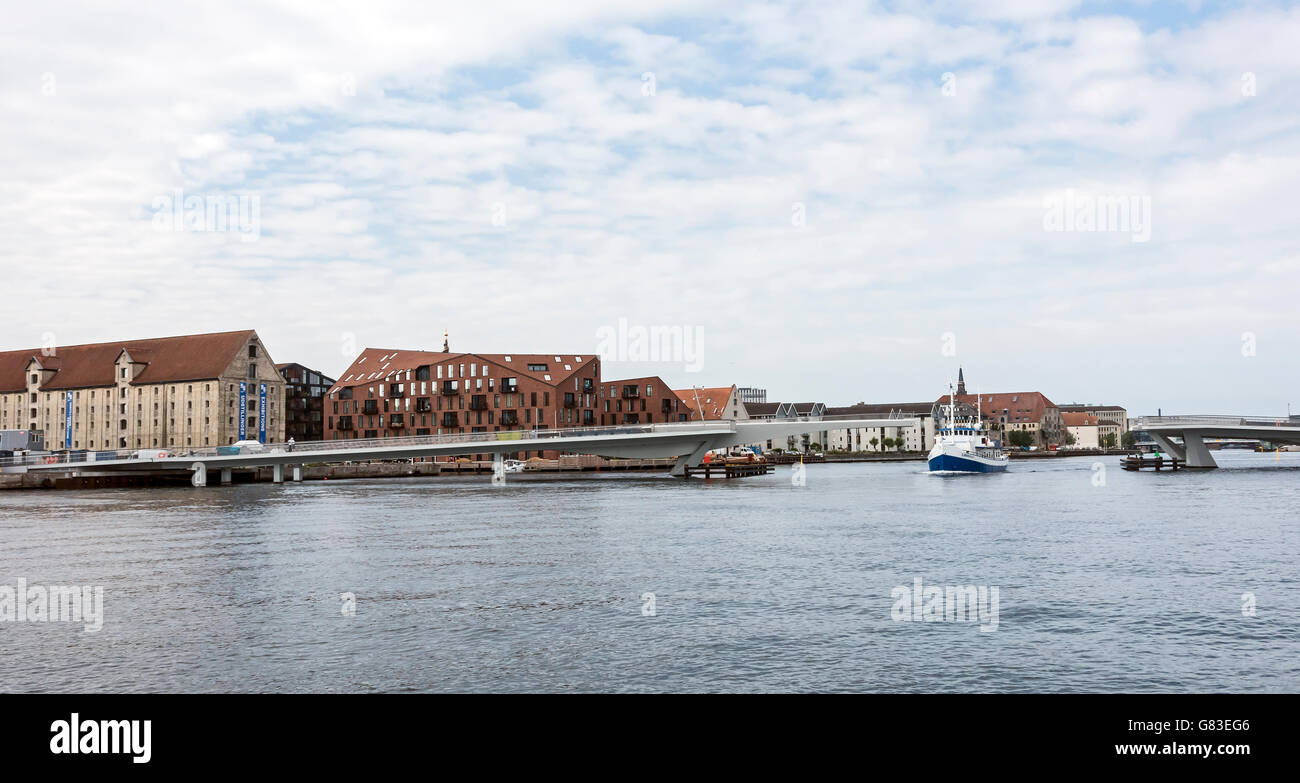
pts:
pixel 640 401
pixel 1113 418
pixel 304 401
pixel 1006 412
pixel 166 393
pixel 386 393
pixel 713 404
pixel 915 438
pixel 1083 427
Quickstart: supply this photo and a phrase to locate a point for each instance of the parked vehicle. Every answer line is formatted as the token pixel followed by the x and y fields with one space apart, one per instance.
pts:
pixel 249 447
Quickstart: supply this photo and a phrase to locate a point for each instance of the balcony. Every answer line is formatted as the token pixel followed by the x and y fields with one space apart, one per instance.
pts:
pixel 666 406
pixel 631 418
pixel 478 402
pixel 451 387
pixel 588 417
pixel 450 419
pixel 423 405
pixel 396 422
pixel 509 418
pixel 588 385
pixel 345 423
pixel 370 408
pixel 570 400
pixel 509 385
pixel 631 392
pixel 395 390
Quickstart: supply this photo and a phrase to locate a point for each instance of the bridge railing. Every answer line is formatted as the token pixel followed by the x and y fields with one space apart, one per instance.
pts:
pixel 1211 420
pixel 324 447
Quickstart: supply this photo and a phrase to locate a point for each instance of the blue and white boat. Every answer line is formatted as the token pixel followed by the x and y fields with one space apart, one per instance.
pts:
pixel 963 446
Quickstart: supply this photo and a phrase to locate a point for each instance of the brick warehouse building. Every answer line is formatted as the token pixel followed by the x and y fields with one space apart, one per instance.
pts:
pixel 387 393
pixel 645 400
pixel 171 392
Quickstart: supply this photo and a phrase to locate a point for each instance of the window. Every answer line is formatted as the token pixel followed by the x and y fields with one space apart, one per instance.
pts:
pixel 537 367
pixel 252 371
pixel 252 351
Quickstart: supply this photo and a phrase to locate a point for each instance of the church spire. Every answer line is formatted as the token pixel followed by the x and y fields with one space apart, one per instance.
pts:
pixel 961 382
pixel 445 347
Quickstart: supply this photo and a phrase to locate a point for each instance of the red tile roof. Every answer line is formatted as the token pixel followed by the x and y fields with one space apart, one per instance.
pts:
pixel 374 365
pixel 713 400
pixel 1019 406
pixel 1079 419
pixel 168 360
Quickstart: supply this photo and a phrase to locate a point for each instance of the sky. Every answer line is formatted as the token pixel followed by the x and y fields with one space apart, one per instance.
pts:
pixel 834 201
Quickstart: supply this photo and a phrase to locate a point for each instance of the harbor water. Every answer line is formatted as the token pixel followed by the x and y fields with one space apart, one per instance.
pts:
pixel 1105 580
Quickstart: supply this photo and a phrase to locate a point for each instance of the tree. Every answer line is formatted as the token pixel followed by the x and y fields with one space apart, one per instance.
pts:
pixel 1129 439
pixel 874 441
pixel 1069 438
pixel 1020 438
pixel 888 443
pixel 815 447
pixel 1108 441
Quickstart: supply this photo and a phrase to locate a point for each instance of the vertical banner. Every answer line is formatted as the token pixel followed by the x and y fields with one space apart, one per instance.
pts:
pixel 261 412
pixel 243 410
pixel 67 422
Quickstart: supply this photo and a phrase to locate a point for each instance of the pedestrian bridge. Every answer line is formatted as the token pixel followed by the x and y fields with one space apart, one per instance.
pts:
pixel 1193 430
pixel 688 442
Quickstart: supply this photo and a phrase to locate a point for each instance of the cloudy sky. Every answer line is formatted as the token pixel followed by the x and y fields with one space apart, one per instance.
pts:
pixel 844 200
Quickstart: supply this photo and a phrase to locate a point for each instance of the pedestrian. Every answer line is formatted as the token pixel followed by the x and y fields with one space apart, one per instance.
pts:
pixel 290 444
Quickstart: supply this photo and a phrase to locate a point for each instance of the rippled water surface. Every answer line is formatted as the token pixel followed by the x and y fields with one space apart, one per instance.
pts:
pixel 1133 585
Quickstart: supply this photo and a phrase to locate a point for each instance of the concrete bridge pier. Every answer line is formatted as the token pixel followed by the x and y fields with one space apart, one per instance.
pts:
pixel 277 473
pixel 225 476
pixel 694 459
pixel 1192 452
pixel 297 472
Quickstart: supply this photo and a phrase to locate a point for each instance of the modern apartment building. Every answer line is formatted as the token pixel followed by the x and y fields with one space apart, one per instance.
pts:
pixel 640 401
pixel 388 393
pixel 304 401
pixel 168 393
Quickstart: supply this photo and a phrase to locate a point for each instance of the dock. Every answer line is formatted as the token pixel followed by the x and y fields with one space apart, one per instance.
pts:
pixel 735 470
pixel 1153 461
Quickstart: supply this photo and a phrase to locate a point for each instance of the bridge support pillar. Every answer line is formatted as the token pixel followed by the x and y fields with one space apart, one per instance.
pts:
pixel 499 469
pixel 200 477
pixel 692 459
pixel 225 476
pixel 1167 445
pixel 277 473
pixel 1198 456
pixel 297 472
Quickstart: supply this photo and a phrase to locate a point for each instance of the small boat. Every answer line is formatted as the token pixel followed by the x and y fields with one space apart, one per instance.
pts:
pixel 963 446
pixel 515 466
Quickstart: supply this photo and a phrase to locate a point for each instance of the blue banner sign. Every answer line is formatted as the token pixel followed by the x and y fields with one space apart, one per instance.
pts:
pixel 67 423
pixel 243 410
pixel 261 412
